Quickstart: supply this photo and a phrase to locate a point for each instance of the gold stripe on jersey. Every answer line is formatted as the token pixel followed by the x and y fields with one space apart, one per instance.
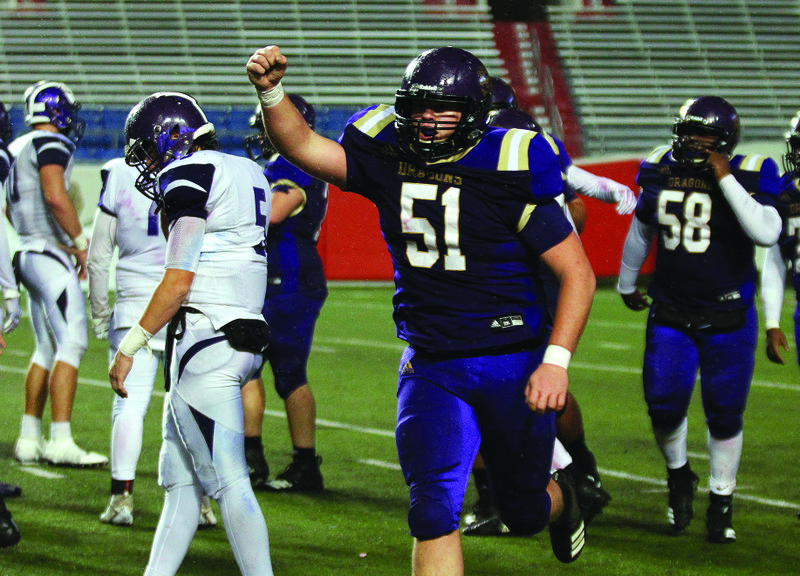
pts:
pixel 526 215
pixel 514 150
pixel 752 162
pixel 656 155
pixel 375 120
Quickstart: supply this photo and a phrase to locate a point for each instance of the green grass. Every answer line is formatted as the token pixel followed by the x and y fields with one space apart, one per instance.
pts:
pixel 358 526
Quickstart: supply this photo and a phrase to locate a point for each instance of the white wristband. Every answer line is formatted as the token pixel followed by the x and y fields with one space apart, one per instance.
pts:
pixel 770 324
pixel 134 340
pixel 557 355
pixel 81 242
pixel 272 96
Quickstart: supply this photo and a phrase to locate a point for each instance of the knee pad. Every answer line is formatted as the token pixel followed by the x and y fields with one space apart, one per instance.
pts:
pixel 430 518
pixel 665 419
pixel 723 426
pixel 285 384
pixel 71 353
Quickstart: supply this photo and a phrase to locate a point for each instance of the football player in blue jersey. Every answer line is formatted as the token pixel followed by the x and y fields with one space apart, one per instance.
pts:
pixel 708 210
pixel 571 449
pixel 50 237
pixel 9 316
pixel 296 291
pixel 215 207
pixel 787 250
pixel 467 213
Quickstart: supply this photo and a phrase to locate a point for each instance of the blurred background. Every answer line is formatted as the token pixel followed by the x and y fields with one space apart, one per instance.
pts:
pixel 605 76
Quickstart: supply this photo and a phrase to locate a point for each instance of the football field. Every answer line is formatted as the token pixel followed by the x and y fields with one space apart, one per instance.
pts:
pixel 358 525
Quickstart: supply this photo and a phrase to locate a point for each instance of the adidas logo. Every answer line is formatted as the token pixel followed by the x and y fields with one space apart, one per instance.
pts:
pixel 506 322
pixel 408 368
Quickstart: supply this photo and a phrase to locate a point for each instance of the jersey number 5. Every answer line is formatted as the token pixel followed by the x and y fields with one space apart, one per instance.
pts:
pixel 425 258
pixel 695 233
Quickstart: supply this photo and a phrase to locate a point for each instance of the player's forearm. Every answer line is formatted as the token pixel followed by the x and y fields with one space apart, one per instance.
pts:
pixel 773 280
pixel 169 296
pixel 761 223
pixel 634 254
pixel 574 304
pixel 101 251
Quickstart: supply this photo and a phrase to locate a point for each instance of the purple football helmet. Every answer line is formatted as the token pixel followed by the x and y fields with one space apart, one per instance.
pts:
pixel 54 103
pixel 513 118
pixel 446 78
pixel 6 128
pixel 258 145
pixel 705 116
pixel 791 160
pixel 503 94
pixel 161 129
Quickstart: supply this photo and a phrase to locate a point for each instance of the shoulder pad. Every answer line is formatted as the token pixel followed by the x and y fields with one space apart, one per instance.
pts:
pixel 374 121
pixel 658 154
pixel 514 149
pixel 752 162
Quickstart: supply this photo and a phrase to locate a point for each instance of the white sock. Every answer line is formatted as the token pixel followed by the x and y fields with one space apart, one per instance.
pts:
pixel 672 444
pixel 60 430
pixel 176 528
pixel 725 457
pixel 561 458
pixel 246 528
pixel 30 427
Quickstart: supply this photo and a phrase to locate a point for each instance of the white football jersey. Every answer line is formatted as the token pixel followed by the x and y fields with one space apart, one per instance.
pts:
pixel 29 213
pixel 141 244
pixel 233 196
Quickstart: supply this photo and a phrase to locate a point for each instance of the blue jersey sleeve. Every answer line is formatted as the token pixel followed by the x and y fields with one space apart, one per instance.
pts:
pixel 185 188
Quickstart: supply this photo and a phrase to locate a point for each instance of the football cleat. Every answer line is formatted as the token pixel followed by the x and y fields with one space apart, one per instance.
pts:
pixel 568 533
pixel 9 490
pixel 29 450
pixel 484 520
pixel 64 452
pixel 591 495
pixel 719 519
pixel 119 511
pixel 257 467
pixel 299 477
pixel 207 518
pixel 9 533
pixel 682 484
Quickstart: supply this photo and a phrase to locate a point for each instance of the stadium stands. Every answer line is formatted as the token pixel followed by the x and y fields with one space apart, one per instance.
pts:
pixel 345 54
pixel 630 66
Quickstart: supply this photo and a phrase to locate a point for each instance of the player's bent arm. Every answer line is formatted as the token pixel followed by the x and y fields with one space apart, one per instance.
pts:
pixel 55 194
pixel 287 129
pixel 601 188
pixel 319 156
pixel 761 223
pixel 101 251
pixel 286 203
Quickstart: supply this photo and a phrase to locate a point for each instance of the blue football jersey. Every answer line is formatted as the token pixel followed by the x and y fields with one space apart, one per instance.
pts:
pixel 294 263
pixel 790 235
pixel 5 162
pixel 703 257
pixel 464 233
